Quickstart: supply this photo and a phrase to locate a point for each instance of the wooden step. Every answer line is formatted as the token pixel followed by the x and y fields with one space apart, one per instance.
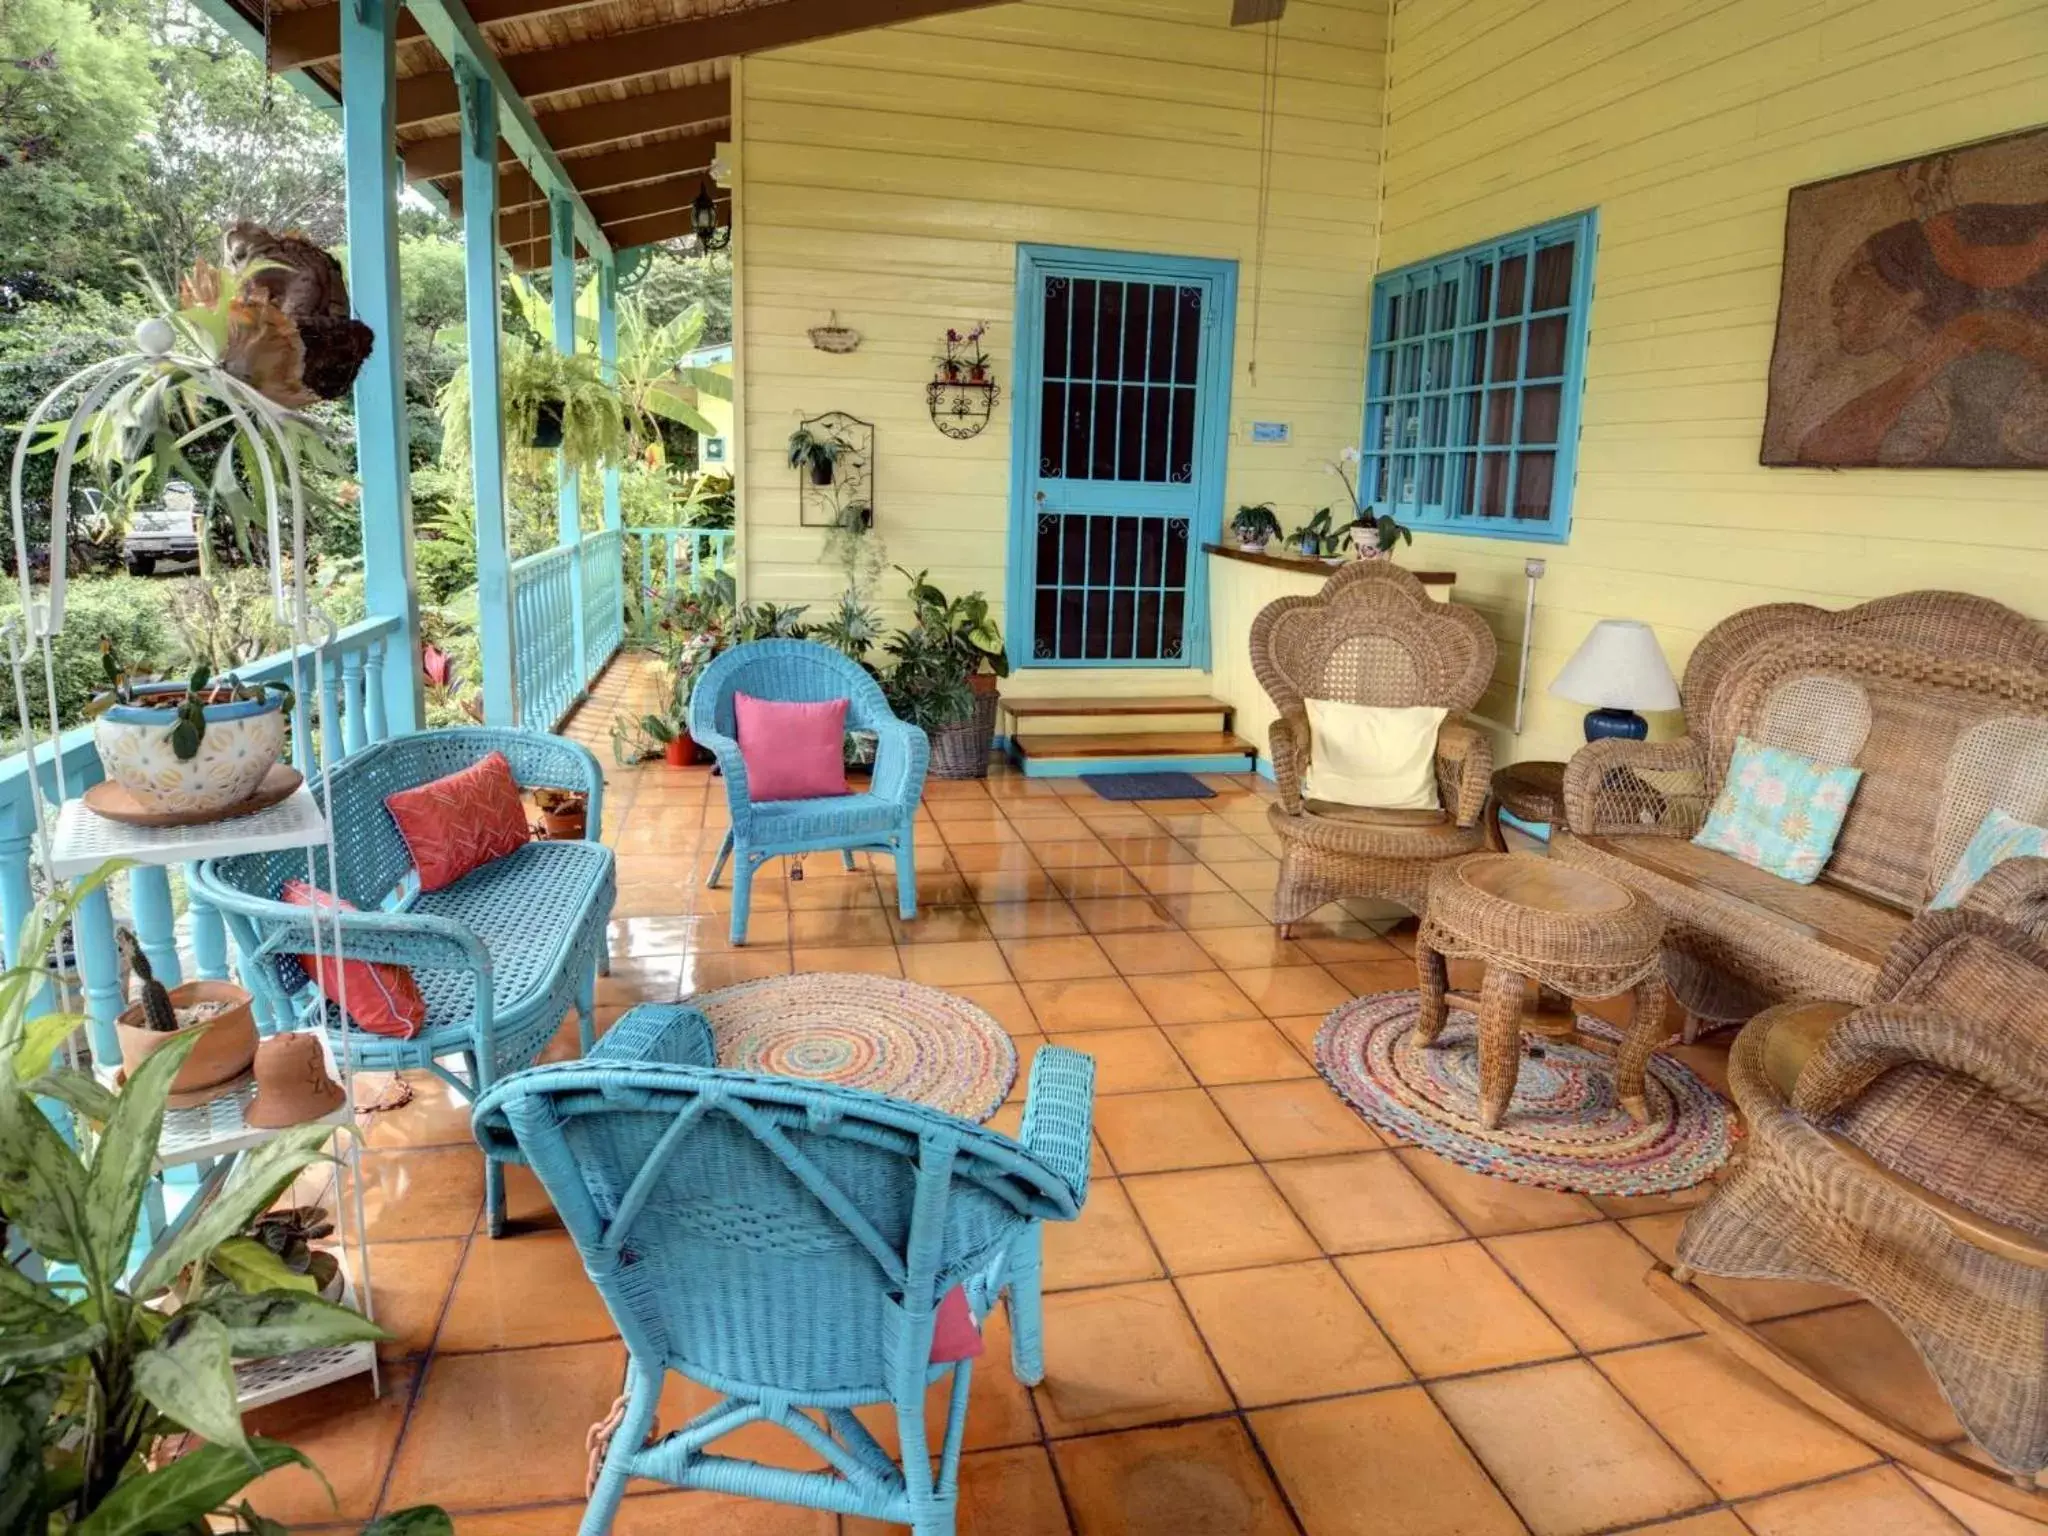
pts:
pixel 1097 704
pixel 1134 744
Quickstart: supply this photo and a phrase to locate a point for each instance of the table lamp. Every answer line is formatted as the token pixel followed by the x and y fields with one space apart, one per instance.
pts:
pixel 1619 668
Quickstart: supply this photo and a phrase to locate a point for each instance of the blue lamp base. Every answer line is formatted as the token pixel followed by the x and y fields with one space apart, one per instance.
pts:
pixel 1601 724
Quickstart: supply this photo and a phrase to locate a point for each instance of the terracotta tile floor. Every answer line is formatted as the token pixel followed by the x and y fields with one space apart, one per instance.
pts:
pixel 1268 1320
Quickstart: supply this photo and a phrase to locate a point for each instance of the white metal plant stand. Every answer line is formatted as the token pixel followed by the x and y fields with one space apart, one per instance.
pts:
pixel 217 1134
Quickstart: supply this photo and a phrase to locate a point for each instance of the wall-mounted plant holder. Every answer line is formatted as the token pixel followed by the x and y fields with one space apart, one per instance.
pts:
pixel 828 493
pixel 961 408
pixel 834 337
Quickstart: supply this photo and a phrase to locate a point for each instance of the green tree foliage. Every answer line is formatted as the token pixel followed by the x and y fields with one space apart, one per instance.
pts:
pixel 76 95
pixel 675 281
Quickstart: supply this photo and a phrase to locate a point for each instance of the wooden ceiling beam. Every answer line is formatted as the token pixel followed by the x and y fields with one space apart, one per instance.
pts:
pixel 517 190
pixel 605 122
pixel 649 229
pixel 674 45
pixel 302 39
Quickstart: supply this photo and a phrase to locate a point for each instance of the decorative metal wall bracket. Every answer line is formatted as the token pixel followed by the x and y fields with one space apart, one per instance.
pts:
pixel 853 473
pixel 960 409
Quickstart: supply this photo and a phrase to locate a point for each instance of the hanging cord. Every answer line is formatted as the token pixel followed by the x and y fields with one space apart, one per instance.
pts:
pixel 269 75
pixel 1269 103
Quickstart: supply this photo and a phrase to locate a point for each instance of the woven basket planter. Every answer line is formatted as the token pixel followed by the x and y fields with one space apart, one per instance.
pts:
pixel 961 750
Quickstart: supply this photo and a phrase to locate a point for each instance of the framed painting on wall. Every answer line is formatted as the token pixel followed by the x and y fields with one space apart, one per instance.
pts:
pixel 1913 315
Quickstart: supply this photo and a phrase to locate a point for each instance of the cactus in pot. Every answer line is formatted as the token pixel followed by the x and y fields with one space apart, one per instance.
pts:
pixel 218 1008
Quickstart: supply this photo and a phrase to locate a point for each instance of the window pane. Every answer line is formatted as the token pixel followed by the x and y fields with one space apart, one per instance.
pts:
pixel 1500 416
pixel 1188 357
pixel 1151 552
pixel 1554 276
pixel 1162 334
pixel 1123 611
pixel 1176 551
pixel 1103 459
pixel 1071 617
pixel 1534 473
pixel 1095 637
pixel 1465 420
pixel 1546 348
pixel 1458 488
pixel 1048 566
pixel 1180 456
pixel 1482 291
pixel 1145 643
pixel 1109 330
pixel 1157 399
pixel 1504 352
pixel 1493 485
pixel 1446 314
pixel 1514 277
pixel 1124 564
pixel 1539 413
pixel 1052 430
pixel 1130 464
pixel 1100 530
pixel 1137 325
pixel 1080 401
pixel 1073 551
pixel 1081 363
pixel 1057 298
pixel 1170 620
pixel 1437 370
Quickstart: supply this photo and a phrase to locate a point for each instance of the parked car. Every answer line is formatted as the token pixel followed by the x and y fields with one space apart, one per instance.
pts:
pixel 167 531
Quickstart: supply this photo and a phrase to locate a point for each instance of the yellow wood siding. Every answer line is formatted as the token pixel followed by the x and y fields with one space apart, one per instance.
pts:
pixel 1685 125
pixel 890 176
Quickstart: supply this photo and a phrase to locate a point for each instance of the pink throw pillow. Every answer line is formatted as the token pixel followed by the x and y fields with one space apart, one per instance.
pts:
pixel 954 1336
pixel 382 998
pixel 793 751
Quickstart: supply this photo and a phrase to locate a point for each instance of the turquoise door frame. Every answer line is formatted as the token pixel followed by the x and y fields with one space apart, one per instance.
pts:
pixel 1126 501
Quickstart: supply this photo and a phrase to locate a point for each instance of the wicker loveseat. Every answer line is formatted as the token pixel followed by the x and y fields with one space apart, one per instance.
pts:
pixel 1373 635
pixel 1940 698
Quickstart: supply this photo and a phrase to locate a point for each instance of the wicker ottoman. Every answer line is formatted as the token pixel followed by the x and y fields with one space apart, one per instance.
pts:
pixel 1570 931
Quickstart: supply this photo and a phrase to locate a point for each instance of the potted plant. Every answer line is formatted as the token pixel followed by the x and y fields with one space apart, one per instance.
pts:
pixel 1255 525
pixel 947 666
pixel 111 1367
pixel 964 362
pixel 1311 538
pixel 818 455
pixel 550 401
pixel 564 814
pixel 276 1250
pixel 1373 534
pixel 218 1012
pixel 192 749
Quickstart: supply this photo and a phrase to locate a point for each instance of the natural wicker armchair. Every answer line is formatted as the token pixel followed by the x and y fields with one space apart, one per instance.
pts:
pixel 1900 1149
pixel 1373 635
pixel 1940 698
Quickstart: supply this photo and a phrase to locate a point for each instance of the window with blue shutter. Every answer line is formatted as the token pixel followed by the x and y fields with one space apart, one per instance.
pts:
pixel 1474 371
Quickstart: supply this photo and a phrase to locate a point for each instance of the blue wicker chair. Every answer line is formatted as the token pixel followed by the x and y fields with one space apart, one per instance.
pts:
pixel 500 956
pixel 786 1244
pixel 879 819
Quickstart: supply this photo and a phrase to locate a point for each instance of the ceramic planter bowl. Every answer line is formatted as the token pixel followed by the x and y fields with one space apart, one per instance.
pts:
pixel 227 1043
pixel 242 741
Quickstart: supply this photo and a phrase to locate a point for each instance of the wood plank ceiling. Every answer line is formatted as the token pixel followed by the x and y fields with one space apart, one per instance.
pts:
pixel 633 95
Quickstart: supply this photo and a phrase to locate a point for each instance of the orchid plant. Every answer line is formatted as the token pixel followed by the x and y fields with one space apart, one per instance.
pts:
pixel 964 356
pixel 1378 529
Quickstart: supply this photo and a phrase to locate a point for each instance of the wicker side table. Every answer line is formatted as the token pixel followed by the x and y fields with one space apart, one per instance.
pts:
pixel 1569 930
pixel 1532 791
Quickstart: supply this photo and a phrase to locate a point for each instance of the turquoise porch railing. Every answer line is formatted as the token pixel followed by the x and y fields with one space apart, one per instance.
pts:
pixel 340 717
pixel 604 611
pixel 664 561
pixel 544 659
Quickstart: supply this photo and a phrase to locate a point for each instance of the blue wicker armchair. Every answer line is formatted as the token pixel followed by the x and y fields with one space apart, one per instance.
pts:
pixel 500 956
pixel 879 819
pixel 786 1244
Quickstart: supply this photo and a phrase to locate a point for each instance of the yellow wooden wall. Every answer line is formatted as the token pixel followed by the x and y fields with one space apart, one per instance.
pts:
pixel 890 175
pixel 1685 124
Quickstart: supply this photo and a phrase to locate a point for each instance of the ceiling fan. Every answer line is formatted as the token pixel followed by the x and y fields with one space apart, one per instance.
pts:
pixel 1249 13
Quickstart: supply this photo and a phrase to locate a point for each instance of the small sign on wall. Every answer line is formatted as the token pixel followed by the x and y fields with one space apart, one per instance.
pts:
pixel 1271 431
pixel 714 450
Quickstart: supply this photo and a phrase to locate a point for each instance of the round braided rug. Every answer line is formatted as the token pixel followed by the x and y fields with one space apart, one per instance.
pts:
pixel 874 1032
pixel 1564 1129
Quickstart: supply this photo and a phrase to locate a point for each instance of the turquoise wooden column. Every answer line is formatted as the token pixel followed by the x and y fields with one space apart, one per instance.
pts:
pixel 486 407
pixel 563 248
pixel 369 34
pixel 608 358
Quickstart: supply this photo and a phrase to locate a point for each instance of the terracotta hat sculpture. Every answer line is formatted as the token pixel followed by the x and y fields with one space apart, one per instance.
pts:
pixel 292 1083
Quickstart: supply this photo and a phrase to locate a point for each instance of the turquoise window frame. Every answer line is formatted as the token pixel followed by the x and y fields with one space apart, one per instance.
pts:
pixel 1212 460
pixel 1451 338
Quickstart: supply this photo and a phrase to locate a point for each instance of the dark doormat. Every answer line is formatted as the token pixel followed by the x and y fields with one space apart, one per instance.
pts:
pixel 1148 786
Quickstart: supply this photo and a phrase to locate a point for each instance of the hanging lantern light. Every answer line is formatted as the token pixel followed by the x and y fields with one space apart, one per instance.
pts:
pixel 704 221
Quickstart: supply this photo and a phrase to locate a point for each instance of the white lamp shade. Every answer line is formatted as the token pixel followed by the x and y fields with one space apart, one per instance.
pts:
pixel 1619 666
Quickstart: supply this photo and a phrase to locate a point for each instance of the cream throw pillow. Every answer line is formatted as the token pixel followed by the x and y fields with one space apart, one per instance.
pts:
pixel 1361 754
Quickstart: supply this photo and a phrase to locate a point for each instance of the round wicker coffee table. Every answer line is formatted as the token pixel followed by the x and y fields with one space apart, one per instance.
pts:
pixel 1570 931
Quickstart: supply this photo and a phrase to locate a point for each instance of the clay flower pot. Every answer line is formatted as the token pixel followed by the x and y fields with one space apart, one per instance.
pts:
pixel 227 1043
pixel 678 750
pixel 243 740
pixel 564 815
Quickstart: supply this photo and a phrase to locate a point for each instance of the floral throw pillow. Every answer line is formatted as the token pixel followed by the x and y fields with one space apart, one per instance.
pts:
pixel 1999 836
pixel 1779 811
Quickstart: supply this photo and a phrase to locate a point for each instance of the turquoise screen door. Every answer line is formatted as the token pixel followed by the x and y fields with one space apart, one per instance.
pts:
pixel 1122 402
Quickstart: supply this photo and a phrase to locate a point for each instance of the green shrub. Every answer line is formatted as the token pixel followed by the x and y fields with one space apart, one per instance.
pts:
pixel 135 614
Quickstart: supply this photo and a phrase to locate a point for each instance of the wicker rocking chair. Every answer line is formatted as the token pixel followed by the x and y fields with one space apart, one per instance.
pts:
pixel 1373 635
pixel 1900 1149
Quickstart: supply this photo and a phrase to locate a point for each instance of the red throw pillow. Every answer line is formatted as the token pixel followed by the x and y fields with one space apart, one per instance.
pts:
pixel 954 1335
pixel 384 999
pixel 793 751
pixel 462 822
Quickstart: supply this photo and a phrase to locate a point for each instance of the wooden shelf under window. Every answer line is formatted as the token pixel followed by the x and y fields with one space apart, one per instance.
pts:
pixel 1318 567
